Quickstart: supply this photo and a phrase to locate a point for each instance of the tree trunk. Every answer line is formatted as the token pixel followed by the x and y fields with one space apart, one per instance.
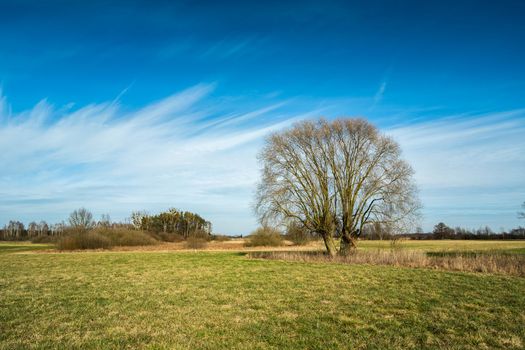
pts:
pixel 347 245
pixel 329 244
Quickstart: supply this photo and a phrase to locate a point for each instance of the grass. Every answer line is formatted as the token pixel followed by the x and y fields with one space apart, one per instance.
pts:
pixel 20 247
pixel 449 245
pixel 473 261
pixel 223 300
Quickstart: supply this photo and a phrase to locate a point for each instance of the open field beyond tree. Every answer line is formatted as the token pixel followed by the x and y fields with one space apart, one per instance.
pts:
pixel 214 299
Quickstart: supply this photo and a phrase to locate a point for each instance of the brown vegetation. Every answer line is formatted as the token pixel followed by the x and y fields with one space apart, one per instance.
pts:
pixel 104 238
pixel 264 236
pixel 86 240
pixel 297 234
pixel 220 238
pixel 508 264
pixel 196 243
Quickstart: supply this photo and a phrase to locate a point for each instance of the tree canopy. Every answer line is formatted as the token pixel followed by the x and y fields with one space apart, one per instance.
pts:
pixel 176 221
pixel 335 178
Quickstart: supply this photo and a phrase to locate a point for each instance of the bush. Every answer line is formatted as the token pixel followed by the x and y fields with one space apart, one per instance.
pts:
pixel 69 231
pixel 45 239
pixel 297 233
pixel 201 235
pixel 104 238
pixel 126 237
pixel 196 243
pixel 264 236
pixel 88 240
pixel 168 237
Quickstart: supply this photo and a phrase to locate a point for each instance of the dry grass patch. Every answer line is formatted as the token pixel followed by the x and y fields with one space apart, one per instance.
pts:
pixel 196 243
pixel 487 262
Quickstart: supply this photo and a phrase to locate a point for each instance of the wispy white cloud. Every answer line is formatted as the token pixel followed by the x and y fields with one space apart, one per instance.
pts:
pixel 181 151
pixel 198 152
pixel 380 92
pixel 469 167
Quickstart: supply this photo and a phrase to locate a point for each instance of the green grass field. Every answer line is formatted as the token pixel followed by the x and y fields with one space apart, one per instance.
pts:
pixel 224 300
pixel 451 245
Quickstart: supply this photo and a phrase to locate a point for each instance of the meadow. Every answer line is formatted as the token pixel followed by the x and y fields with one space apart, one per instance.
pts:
pixel 170 298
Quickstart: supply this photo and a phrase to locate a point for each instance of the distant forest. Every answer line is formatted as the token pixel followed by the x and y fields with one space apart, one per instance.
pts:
pixel 442 231
pixel 167 225
pixel 185 224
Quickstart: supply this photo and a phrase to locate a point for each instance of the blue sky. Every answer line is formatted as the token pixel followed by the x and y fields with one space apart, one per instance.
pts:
pixel 149 105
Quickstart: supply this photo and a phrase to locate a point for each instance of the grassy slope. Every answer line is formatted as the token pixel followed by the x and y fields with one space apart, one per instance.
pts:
pixel 224 300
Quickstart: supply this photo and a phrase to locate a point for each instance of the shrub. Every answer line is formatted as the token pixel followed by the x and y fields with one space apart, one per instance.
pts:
pixel 297 233
pixel 168 237
pixel 87 240
pixel 45 239
pixel 126 237
pixel 264 236
pixel 201 235
pixel 196 243
pixel 69 231
pixel 103 238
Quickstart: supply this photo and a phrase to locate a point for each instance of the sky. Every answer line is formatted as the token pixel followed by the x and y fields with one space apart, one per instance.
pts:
pixel 147 105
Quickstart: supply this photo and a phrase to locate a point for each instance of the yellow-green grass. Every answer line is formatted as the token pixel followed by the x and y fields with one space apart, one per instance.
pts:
pixel 223 300
pixel 20 247
pixel 509 246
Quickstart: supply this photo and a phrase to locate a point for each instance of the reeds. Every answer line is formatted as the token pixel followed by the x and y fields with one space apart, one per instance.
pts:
pixel 486 262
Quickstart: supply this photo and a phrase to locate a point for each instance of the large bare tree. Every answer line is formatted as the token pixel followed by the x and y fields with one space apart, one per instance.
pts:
pixel 296 182
pixel 336 178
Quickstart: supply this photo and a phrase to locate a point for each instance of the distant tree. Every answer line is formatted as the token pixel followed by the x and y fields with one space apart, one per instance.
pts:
pixel 81 219
pixel 377 230
pixel 484 231
pixel 32 229
pixel 442 231
pixel 14 229
pixel 105 221
pixel 297 233
pixel 381 230
pixel 43 228
pixel 172 221
pixel 521 214
pixel 57 229
pixel 138 219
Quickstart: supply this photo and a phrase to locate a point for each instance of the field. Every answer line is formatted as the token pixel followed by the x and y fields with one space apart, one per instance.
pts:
pixel 224 300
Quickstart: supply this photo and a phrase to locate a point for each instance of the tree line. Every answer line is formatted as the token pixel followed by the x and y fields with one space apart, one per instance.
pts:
pixel 170 222
pixel 442 231
pixel 173 221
